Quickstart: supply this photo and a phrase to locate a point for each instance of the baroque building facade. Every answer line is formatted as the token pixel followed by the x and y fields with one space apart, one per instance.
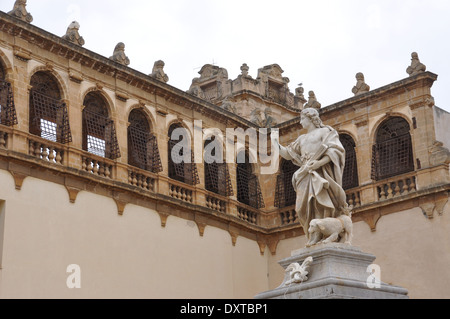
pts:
pixel 91 176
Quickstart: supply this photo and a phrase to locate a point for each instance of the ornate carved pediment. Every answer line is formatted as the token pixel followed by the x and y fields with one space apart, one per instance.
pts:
pixel 209 71
pixel 273 71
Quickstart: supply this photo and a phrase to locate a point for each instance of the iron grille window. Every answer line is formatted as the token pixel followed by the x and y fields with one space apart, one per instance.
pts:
pixel 285 194
pixel 179 169
pixel 392 154
pixel 99 133
pixel 217 176
pixel 8 114
pixel 142 144
pixel 248 188
pixel 49 118
pixel 350 176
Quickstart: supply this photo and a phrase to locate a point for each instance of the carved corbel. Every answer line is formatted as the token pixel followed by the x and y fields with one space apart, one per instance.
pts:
pixel 163 219
pixel 120 206
pixel 201 228
pixel 122 97
pixel 272 244
pixel 22 54
pixel 262 247
pixel 234 237
pixel 73 193
pixel 371 219
pixel 18 179
pixel 75 77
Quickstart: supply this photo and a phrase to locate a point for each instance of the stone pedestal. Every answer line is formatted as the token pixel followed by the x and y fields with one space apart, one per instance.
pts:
pixel 338 271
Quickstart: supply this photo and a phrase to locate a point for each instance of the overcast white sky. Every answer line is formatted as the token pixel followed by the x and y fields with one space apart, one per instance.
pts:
pixel 320 43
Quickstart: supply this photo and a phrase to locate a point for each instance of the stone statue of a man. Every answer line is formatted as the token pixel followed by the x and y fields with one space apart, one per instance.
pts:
pixel 19 11
pixel 318 183
pixel 416 66
pixel 119 54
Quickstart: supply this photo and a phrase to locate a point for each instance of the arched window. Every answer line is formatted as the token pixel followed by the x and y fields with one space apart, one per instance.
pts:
pixel 181 159
pixel 99 133
pixel 142 144
pixel 248 188
pixel 49 118
pixel 8 114
pixel 217 176
pixel 285 194
pixel 2 73
pixel 392 153
pixel 350 176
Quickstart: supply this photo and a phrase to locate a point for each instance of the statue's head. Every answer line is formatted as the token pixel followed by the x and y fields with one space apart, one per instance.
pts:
pixel 414 56
pixel 74 26
pixel 119 47
pixel 313 116
pixel 360 76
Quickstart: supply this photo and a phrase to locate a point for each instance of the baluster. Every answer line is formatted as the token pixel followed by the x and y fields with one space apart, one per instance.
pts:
pixel 101 169
pixel 37 150
pixel 412 186
pixel 389 191
pixel 145 183
pixel 2 140
pixel 51 154
pixel 357 200
pixel 83 163
pixel 58 157
pixel 382 193
pixel 108 171
pixel 397 189
pixel 45 153
pixel 405 189
pixel 90 167
pixel 31 149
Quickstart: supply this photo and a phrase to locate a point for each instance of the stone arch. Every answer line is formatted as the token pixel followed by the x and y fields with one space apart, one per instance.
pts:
pixel 108 102
pixel 7 67
pixel 392 151
pixel 58 79
pixel 373 131
pixel 148 114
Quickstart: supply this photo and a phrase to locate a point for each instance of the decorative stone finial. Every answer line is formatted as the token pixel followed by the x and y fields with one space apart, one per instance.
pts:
pixel 158 72
pixel 119 54
pixel 244 69
pixel 361 86
pixel 72 34
pixel 299 98
pixel 19 11
pixel 416 67
pixel 312 102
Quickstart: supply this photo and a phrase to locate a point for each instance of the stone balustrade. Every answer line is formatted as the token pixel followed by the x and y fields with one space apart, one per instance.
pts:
pixel 141 180
pixel 3 139
pixel 353 198
pixel 248 215
pixel 396 186
pixel 97 165
pixel 46 150
pixel 216 204
pixel 288 216
pixel 181 192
